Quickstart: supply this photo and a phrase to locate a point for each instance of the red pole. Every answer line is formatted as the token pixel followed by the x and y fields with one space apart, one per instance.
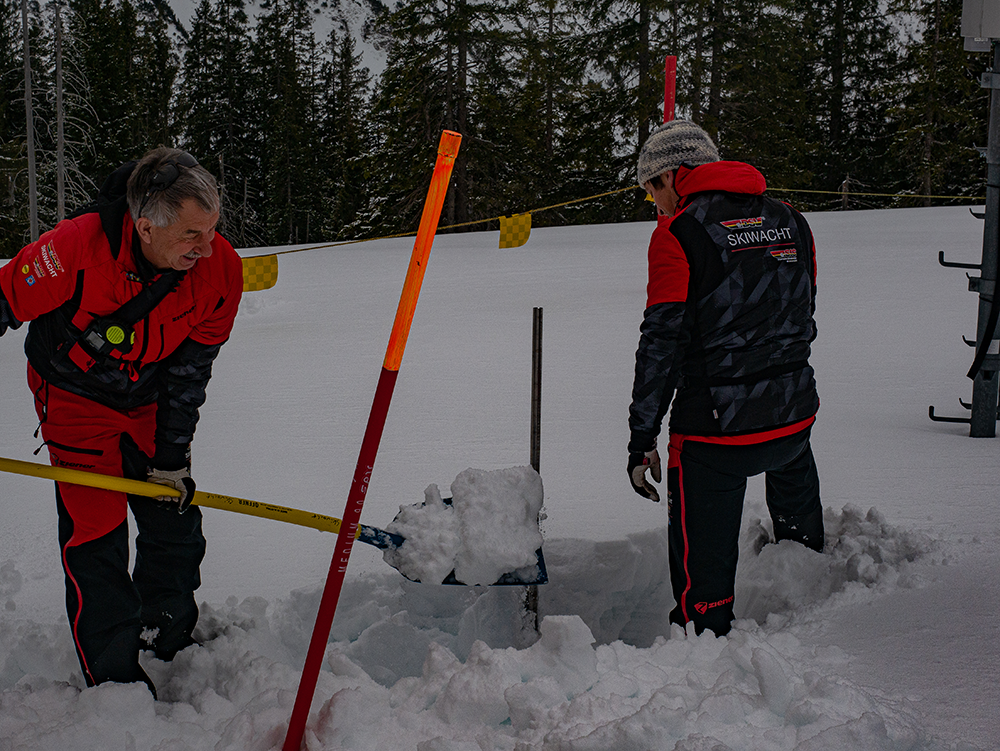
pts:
pixel 669 88
pixel 447 151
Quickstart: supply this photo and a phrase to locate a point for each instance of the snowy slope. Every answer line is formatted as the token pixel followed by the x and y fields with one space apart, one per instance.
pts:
pixel 886 641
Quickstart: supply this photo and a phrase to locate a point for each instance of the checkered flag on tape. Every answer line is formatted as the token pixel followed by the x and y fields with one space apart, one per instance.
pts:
pixel 260 272
pixel 515 230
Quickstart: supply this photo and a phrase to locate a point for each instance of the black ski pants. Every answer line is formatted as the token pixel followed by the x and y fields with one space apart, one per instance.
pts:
pixel 706 484
pixel 113 615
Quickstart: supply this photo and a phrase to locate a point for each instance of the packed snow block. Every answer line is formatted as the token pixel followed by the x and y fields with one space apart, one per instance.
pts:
pixel 498 522
pixel 489 529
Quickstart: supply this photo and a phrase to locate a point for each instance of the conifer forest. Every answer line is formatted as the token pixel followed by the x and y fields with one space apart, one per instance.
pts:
pixel 840 103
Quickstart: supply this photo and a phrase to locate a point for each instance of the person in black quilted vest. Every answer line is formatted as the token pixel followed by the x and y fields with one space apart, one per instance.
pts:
pixel 725 340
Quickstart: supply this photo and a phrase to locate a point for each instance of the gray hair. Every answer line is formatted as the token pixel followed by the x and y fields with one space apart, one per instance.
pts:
pixel 162 206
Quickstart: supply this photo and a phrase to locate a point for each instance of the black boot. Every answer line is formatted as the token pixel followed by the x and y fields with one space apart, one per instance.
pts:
pixel 119 662
pixel 806 529
pixel 167 627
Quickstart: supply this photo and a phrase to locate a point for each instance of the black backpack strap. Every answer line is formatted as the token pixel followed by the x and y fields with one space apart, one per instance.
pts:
pixel 112 205
pixel 148 298
pixel 112 336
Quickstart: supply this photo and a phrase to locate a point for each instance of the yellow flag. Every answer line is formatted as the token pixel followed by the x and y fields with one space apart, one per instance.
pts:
pixel 260 272
pixel 515 230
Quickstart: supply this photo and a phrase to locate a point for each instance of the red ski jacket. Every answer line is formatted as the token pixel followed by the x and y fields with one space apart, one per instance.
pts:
pixel 76 273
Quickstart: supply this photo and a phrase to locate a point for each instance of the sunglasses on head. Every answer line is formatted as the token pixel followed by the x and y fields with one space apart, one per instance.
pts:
pixel 166 175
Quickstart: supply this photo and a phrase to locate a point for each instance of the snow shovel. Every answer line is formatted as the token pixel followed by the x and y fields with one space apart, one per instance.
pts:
pixel 379 538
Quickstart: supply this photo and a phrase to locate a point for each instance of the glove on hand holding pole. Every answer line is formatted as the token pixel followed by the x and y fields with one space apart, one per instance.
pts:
pixel 178 478
pixel 638 463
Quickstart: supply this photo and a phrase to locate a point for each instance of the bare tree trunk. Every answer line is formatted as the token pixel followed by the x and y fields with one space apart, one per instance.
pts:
pixel 60 124
pixel 449 119
pixel 837 63
pixel 715 76
pixel 928 172
pixel 29 119
pixel 550 86
pixel 698 67
pixel 462 161
pixel 645 80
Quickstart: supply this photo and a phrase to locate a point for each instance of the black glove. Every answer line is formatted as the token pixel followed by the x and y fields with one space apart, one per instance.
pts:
pixel 638 463
pixel 177 478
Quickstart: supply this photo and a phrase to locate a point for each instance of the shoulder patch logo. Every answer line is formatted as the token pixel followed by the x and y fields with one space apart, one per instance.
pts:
pixel 55 257
pixel 25 269
pixel 747 223
pixel 50 260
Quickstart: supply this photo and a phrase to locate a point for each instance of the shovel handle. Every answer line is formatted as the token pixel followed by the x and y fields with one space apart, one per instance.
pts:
pixel 371 535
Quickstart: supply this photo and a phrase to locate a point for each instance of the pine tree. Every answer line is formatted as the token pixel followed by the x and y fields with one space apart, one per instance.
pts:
pixel 766 111
pixel 411 106
pixel 345 139
pixel 853 67
pixel 155 64
pixel 441 54
pixel 285 67
pixel 13 161
pixel 217 119
pixel 122 108
pixel 944 111
pixel 626 42
pixel 527 98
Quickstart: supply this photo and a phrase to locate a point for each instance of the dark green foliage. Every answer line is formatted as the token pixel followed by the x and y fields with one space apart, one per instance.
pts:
pixel 943 112
pixel 217 117
pixel 553 99
pixel 345 140
pixel 13 154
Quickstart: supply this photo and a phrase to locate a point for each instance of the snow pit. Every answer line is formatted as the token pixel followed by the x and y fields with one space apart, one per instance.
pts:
pixel 490 528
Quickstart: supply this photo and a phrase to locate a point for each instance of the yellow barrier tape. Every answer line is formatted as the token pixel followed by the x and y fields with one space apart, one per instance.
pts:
pixel 604 195
pixel 852 194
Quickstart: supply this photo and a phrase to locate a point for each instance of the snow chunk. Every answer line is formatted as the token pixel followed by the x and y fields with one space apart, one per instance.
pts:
pixel 498 518
pixel 431 531
pixel 489 529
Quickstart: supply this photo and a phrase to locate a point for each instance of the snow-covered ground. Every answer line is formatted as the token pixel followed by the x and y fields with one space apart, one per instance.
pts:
pixel 888 640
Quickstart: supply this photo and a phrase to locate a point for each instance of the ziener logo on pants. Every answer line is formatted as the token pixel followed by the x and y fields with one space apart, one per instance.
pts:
pixel 704 607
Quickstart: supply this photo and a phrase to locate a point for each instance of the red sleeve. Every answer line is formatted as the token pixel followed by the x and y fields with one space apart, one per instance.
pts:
pixel 227 276
pixel 668 267
pixel 43 275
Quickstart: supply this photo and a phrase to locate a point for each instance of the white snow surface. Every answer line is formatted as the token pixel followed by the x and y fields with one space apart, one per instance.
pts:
pixel 886 641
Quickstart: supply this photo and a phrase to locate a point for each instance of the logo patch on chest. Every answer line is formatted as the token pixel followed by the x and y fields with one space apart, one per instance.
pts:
pixel 785 254
pixel 745 223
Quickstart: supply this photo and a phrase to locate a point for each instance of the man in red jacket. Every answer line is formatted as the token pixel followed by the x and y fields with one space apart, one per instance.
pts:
pixel 129 301
pixel 728 325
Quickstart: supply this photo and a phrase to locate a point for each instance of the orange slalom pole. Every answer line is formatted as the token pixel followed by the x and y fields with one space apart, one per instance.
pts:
pixel 447 151
pixel 669 87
